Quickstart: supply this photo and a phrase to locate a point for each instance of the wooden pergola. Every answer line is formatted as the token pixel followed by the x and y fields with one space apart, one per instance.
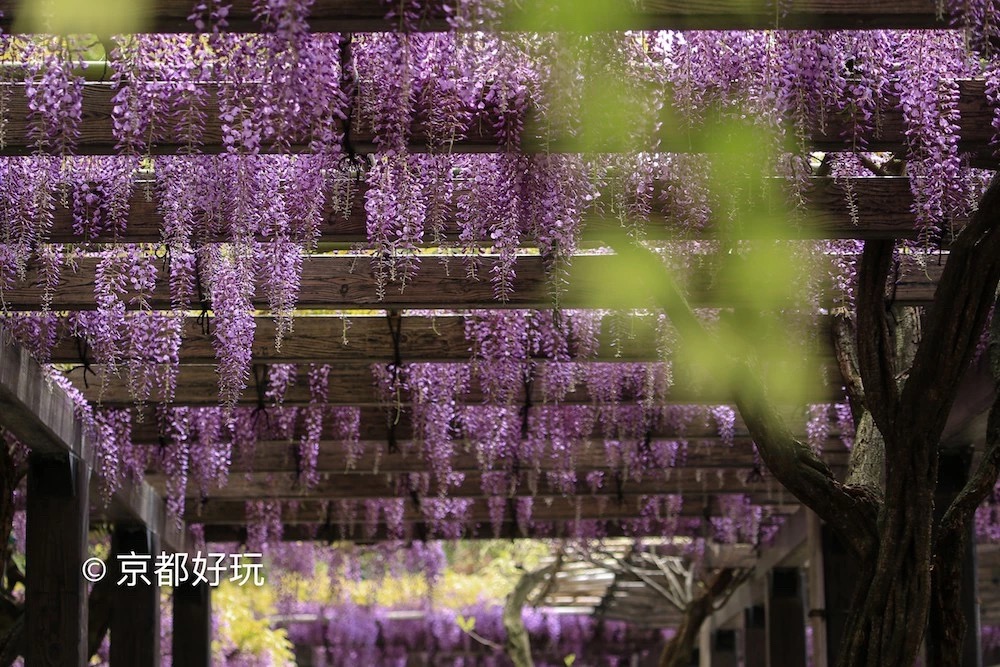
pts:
pixel 63 499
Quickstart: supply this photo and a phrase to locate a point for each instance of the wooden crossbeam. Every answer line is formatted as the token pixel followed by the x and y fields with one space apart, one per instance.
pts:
pixel 277 456
pixel 373 427
pixel 343 282
pixel 481 528
pixel 355 385
pixel 318 511
pixel 96 136
pixel 321 339
pixel 171 16
pixel 42 416
pixel 883 210
pixel 335 485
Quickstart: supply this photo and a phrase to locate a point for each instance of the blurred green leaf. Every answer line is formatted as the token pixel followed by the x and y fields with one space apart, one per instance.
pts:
pixel 466 624
pixel 99 17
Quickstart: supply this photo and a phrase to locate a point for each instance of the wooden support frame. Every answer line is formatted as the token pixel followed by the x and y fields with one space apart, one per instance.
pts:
pixel 42 416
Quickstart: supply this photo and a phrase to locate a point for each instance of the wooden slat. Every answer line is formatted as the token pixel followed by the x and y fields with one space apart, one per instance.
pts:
pixel 355 385
pixel 368 15
pixel 338 486
pixel 883 211
pixel 274 456
pixel 319 340
pixel 145 427
pixel 96 137
pixel 317 511
pixel 341 282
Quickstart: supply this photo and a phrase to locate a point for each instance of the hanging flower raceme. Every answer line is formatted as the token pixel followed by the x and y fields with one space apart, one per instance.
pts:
pixel 319 379
pixel 230 273
pixel 434 390
pixel 264 525
pixel 54 91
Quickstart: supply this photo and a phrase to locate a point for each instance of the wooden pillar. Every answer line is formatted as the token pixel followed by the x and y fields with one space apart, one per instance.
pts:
pixel 816 590
pixel 305 655
pixel 840 576
pixel 754 637
pixel 786 619
pixel 724 649
pixel 135 613
pixel 55 591
pixel 192 637
pixel 953 472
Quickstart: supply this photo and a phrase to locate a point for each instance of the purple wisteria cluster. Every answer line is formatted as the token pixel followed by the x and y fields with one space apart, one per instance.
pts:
pixel 347 634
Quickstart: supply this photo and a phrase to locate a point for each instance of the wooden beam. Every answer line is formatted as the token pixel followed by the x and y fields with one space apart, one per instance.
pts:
pixel 883 211
pixel 146 428
pixel 42 416
pixel 280 456
pixel 355 385
pixel 317 511
pixel 135 614
pixel 96 136
pixel 360 340
pixel 336 485
pixel 547 521
pixel 55 590
pixel 345 282
pixel 170 16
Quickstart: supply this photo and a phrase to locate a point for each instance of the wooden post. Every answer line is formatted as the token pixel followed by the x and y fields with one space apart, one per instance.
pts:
pixel 953 472
pixel 724 649
pixel 786 619
pixel 192 639
pixel 135 614
pixel 817 590
pixel 55 590
pixel 754 637
pixel 840 576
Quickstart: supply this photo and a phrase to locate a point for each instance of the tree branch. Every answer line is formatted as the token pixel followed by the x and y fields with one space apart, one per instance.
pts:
pixel 517 645
pixel 874 340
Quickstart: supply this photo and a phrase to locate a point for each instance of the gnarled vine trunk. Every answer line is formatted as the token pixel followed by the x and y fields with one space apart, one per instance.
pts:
pixel 680 648
pixel 517 645
pixel 890 530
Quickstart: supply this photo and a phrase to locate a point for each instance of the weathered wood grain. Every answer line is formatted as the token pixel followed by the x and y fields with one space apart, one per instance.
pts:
pixel 883 211
pixel 355 385
pixel 96 136
pixel 42 416
pixel 343 283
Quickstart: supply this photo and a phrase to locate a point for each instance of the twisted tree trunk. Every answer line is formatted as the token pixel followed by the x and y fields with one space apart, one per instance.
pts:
pixel 890 533
pixel 517 646
pixel 680 648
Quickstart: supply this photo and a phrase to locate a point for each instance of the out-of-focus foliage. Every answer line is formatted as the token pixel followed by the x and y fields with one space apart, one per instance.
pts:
pixel 101 17
pixel 243 626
